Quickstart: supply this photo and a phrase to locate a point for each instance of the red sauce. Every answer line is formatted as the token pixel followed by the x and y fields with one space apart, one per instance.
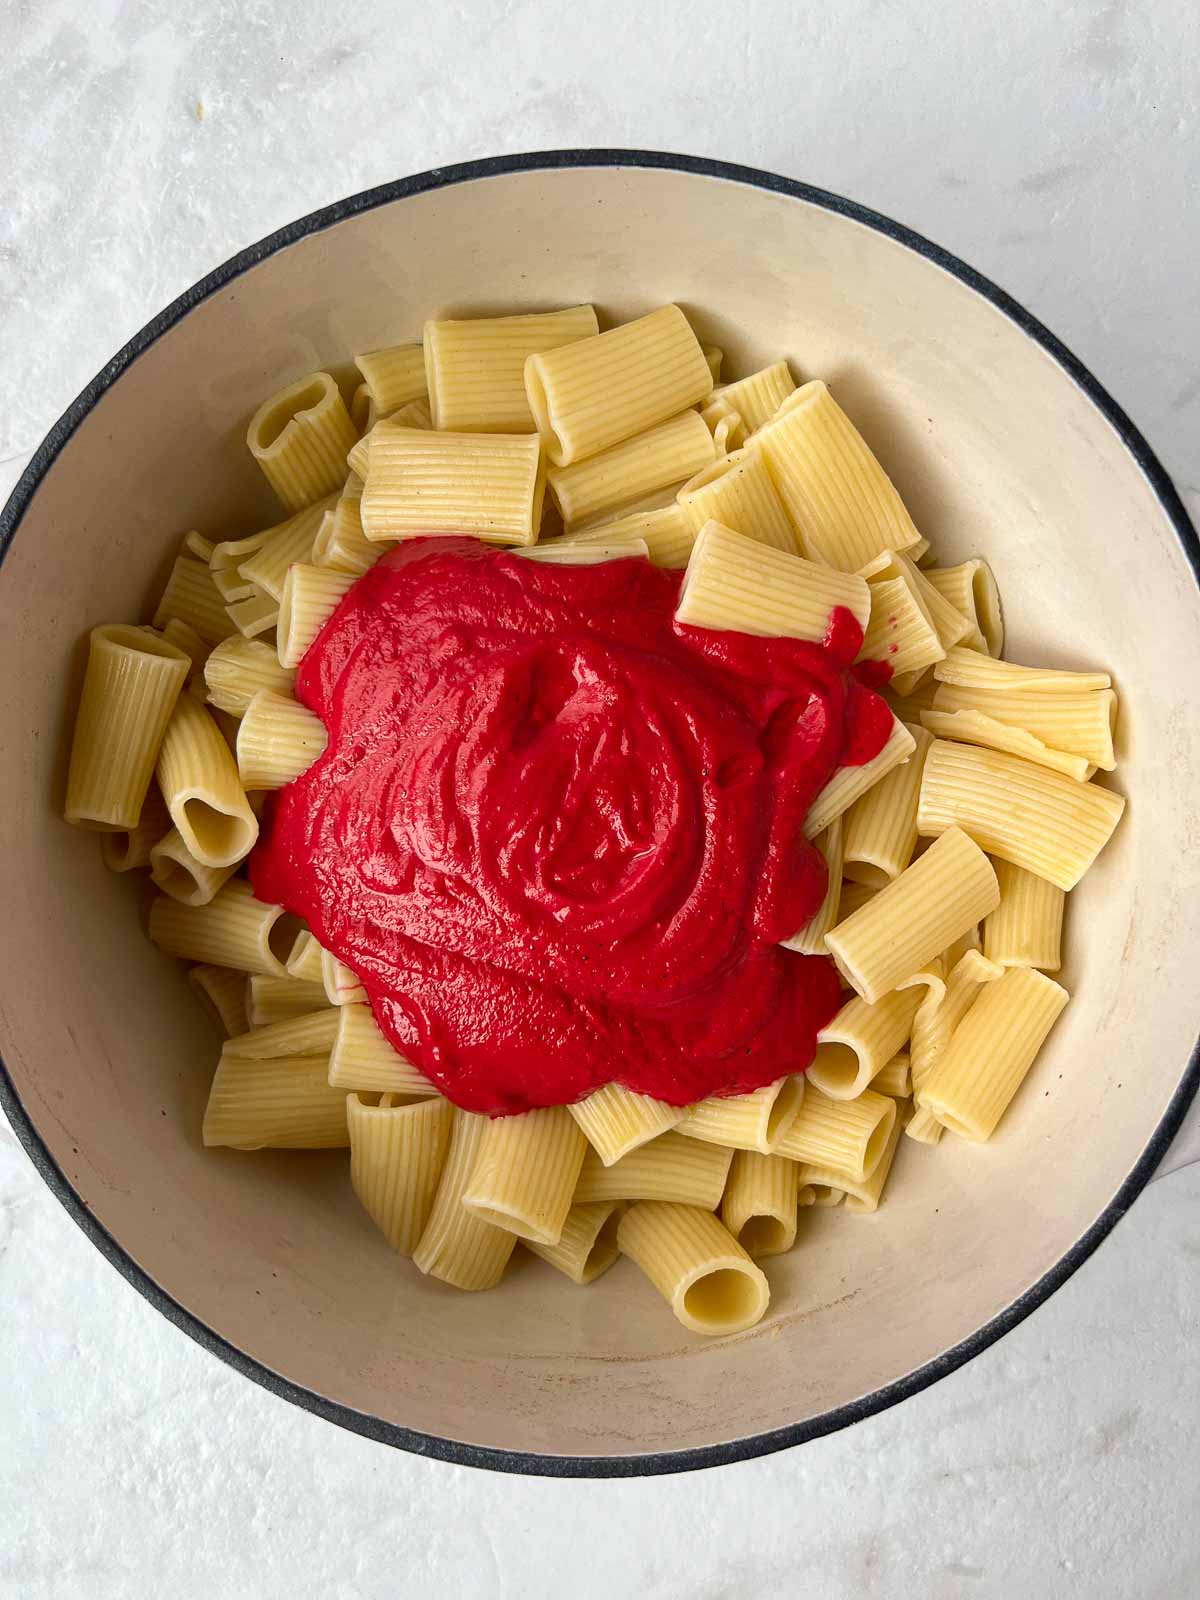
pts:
pixel 557 835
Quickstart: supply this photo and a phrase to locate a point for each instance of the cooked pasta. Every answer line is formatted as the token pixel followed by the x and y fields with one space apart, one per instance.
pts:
pixel 284 545
pixel 1025 930
pixel 854 1048
pixel 396 1158
pixel 895 1077
pixel 810 940
pixel 1051 825
pixel 1080 722
pixel 861 1194
pixel 615 1120
pixel 975 727
pixel 847 1135
pixel 762 1197
pixel 755 1121
pixel 300 437
pixel 131 687
pixel 836 493
pixel 270 1000
pixel 175 870
pixel 665 531
pixel 971 589
pixel 277 1103
pixel 232 930
pixel 849 784
pixel 587 1245
pixel 310 597
pixel 626 472
pixel 342 987
pixel 901 629
pixel 737 492
pixel 223 994
pixel 191 597
pixel 488 485
pixel 277 740
pixel 459 1246
pixel 475 368
pixel 340 542
pixel 736 582
pixel 697 1265
pixel 969 669
pixel 306 960
pixel 594 393
pixel 238 668
pixel 933 1028
pixel 991 1050
pixel 879 831
pixel 255 616
pixel 309 1034
pixel 685 1171
pixel 758 397
pixel 126 849
pixel 199 781
pixel 933 901
pixel 362 1059
pixel 525 1173
pixel 393 376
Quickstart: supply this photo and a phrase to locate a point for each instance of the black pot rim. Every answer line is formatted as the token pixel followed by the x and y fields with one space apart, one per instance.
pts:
pixel 533 1463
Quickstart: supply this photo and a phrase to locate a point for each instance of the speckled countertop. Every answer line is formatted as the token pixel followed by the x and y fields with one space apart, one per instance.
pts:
pixel 1055 146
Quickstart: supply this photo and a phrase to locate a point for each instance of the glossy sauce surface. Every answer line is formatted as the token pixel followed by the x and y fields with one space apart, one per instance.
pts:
pixel 559 836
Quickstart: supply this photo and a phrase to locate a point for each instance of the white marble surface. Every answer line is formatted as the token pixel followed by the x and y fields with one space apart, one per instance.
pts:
pixel 1053 143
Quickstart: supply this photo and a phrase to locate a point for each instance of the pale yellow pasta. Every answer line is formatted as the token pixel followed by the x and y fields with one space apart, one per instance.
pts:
pixel 232 552
pixel 587 1245
pixel 525 1173
pixel 489 485
pixel 186 638
pixel 566 553
pixel 861 1194
pixel 340 542
pixel 310 597
pixel 901 630
pixel 177 873
pixel 222 992
pixel 908 707
pixel 277 740
pixel 458 1246
pixel 709 1281
pixel 879 831
pixel 894 1077
pixel 626 472
pixel 305 961
pixel 125 849
pixel 754 1121
pixel 923 1126
pixel 950 624
pixel 1025 930
pixel 131 687
pixel 974 727
pixel 849 784
pixel 192 597
pixel 726 426
pixel 280 1103
pixel 594 393
pixel 300 437
pixel 363 1059
pixel 393 376
pixel 848 1135
pixel 992 1049
pixel 238 668
pixel 758 397
pixel 364 413
pixel 312 1033
pixel 971 589
pixel 342 987
pixel 824 1194
pixel 933 901
pixel 686 1171
pixel 396 1159
pixel 599 522
pixel 735 582
pixel 969 669
pixel 255 616
pixel 856 1044
pixel 761 1200
pixel 933 1028
pixel 475 369
pixel 199 781
pixel 714 356
pixel 737 492
pixel 233 930
pixel 665 530
pixel 854 896
pixel 1049 824
pixel 810 941
pixel 1081 722
pixel 616 1120
pixel 284 545
pixel 269 1000
pixel 413 415
pixel 231 586
pixel 835 491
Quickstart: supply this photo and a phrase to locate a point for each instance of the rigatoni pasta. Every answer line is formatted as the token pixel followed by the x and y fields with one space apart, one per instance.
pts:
pixel 711 1283
pixel 396 1157
pixel 625 473
pixel 615 1120
pixel 486 485
pixel 300 437
pixel 475 367
pixel 1025 930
